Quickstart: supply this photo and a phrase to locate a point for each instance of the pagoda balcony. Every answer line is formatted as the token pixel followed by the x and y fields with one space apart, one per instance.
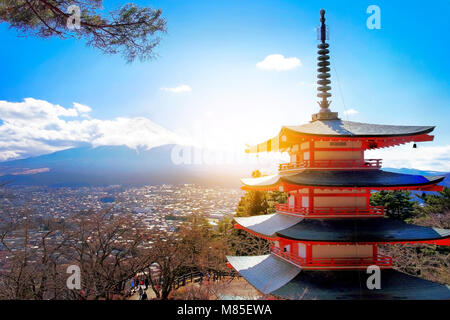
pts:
pixel 318 212
pixel 332 263
pixel 331 164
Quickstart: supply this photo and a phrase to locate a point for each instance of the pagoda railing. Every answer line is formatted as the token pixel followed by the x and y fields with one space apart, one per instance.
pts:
pixel 297 260
pixel 284 208
pixel 379 260
pixel 332 163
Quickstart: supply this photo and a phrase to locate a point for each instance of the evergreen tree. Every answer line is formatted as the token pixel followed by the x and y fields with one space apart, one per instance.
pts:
pixel 130 30
pixel 398 204
pixel 436 202
pixel 253 203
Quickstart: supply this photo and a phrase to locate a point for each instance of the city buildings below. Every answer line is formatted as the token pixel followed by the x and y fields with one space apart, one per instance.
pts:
pixel 157 207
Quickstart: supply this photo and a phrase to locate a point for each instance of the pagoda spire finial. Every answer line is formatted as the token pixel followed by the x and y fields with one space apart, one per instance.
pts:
pixel 323 28
pixel 323 76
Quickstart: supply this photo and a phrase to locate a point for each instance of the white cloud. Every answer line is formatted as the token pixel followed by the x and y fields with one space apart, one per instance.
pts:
pixel 278 62
pixel 35 127
pixel 433 158
pixel 6 154
pixel 81 107
pixel 178 89
pixel 33 109
pixel 350 112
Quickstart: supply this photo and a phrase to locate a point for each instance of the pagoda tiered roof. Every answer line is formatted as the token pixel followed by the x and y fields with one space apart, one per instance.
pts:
pixel 342 128
pixel 374 179
pixel 326 236
pixel 375 135
pixel 267 225
pixel 360 230
pixel 275 276
pixel 351 284
pixel 266 273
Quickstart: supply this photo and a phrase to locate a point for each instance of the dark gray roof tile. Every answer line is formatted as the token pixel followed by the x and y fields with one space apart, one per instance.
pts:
pixel 351 285
pixel 349 128
pixel 361 230
pixel 358 178
pixel 345 178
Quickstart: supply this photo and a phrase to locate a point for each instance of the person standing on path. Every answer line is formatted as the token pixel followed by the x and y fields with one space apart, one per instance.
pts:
pixel 140 293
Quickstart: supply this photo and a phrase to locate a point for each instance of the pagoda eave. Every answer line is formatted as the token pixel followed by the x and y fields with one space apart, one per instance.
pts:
pixel 349 179
pixel 340 231
pixel 372 136
pixel 257 234
pixel 351 284
pixel 275 237
pixel 274 276
pixel 382 230
pixel 266 273
pixel 286 187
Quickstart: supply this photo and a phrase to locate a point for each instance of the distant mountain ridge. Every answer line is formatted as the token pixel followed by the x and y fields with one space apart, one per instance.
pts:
pixel 445 182
pixel 105 165
pixel 416 171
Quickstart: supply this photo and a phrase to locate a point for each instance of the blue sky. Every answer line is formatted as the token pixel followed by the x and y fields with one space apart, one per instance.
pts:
pixel 396 75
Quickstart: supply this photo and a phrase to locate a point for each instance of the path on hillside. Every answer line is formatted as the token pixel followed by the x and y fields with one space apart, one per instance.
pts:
pixel 237 288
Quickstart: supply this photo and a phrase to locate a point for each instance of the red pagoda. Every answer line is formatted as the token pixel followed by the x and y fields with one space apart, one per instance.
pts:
pixel 327 234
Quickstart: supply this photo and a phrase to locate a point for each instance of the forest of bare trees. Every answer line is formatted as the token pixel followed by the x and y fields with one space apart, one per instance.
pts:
pixel 110 249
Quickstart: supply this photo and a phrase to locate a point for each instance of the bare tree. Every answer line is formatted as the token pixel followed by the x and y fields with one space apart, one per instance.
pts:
pixel 428 261
pixel 109 249
pixel 32 268
pixel 193 247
